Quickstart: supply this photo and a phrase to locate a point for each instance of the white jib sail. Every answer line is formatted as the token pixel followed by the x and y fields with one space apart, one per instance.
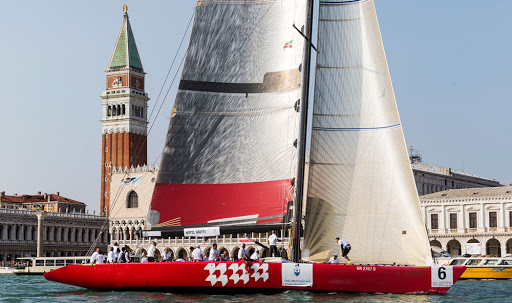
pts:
pixel 361 186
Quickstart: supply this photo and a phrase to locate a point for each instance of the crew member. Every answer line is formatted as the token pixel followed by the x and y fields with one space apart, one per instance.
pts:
pixel 345 248
pixel 166 257
pixel 93 257
pixel 152 253
pixel 272 241
pixel 214 253
pixel 197 254
pixel 334 259
pixel 255 256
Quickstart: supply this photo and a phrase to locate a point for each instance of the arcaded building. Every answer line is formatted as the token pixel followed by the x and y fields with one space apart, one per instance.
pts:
pixel 456 217
pixel 68 230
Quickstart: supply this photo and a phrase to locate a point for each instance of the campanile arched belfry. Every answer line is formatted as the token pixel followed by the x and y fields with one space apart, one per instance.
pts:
pixel 124 111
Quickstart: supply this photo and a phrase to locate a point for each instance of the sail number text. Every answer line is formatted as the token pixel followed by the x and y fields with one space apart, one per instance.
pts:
pixel 366 268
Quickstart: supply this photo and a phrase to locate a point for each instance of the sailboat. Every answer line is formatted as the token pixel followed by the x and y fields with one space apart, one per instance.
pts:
pixel 234 160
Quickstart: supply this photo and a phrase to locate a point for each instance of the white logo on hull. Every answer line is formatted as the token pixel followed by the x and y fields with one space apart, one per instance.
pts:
pixel 239 273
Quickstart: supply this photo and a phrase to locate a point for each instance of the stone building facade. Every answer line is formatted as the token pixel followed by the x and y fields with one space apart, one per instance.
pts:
pixel 130 201
pixel 65 234
pixel 473 215
pixel 430 179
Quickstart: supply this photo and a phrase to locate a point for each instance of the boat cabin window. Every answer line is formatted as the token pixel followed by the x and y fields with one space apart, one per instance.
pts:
pixel 473 261
pixel 39 262
pixel 458 262
pixel 491 262
pixel 50 263
pixel 59 262
pixel 506 262
pixel 69 262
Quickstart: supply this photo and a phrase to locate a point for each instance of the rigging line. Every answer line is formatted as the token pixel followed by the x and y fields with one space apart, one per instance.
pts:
pixel 172 64
pixel 153 124
pixel 140 145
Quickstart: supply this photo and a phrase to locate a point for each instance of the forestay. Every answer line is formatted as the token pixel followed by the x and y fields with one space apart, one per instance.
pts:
pixel 229 155
pixel 361 186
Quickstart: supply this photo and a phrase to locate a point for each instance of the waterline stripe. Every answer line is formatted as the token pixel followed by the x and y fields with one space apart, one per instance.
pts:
pixel 354 129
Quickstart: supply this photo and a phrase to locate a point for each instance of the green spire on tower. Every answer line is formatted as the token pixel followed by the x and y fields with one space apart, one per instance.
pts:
pixel 125 52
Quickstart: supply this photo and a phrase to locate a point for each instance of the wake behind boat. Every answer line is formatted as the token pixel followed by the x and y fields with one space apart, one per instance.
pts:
pixel 231 277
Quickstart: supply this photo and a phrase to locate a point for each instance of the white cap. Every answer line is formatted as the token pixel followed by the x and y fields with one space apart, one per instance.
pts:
pixel 335 255
pixel 198 245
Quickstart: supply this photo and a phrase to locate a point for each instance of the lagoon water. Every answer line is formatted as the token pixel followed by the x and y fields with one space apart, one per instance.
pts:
pixel 36 289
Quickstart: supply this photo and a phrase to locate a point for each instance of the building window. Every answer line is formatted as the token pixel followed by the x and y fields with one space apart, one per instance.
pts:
pixel 453 221
pixel 510 219
pixel 133 200
pixel 493 219
pixel 472 220
pixel 434 221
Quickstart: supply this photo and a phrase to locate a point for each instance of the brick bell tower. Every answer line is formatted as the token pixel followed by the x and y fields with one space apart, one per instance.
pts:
pixel 124 112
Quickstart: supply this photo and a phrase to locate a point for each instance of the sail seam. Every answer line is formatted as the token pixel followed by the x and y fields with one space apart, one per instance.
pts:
pixel 347 20
pixel 348 2
pixel 354 128
pixel 341 2
pixel 352 67
pixel 233 113
pixel 350 115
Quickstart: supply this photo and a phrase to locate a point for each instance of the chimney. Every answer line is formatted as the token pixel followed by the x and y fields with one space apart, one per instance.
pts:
pixel 58 193
pixel 45 195
pixel 16 195
pixel 38 192
pixel 2 194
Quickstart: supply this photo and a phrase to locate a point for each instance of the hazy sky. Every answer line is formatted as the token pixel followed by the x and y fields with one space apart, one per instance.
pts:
pixel 450 65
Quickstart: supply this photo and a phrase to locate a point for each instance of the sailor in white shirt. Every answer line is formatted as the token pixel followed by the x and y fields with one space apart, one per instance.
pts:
pixel 99 259
pixel 272 241
pixel 166 256
pixel 110 256
pixel 242 254
pixel 242 257
pixel 334 259
pixel 224 256
pixel 116 252
pixel 345 248
pixel 255 256
pixel 152 253
pixel 93 257
pixel 144 258
pixel 197 254
pixel 214 253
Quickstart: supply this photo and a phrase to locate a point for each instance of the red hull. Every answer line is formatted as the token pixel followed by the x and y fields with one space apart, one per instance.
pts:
pixel 217 276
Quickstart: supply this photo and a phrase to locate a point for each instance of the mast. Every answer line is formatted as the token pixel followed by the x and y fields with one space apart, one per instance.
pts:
pixel 299 189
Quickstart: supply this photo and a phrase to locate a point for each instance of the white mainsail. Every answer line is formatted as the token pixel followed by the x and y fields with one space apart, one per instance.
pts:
pixel 361 186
